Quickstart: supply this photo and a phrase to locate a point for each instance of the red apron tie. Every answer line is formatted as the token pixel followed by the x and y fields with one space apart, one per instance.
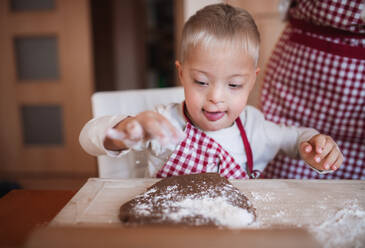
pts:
pixel 324 45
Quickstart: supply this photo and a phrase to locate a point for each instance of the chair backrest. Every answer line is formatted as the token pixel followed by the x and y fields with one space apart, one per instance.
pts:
pixel 129 102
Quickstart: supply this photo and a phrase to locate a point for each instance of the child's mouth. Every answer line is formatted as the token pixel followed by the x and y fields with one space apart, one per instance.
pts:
pixel 213 116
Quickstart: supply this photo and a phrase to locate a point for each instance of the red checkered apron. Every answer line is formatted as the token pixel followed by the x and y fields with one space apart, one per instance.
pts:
pixel 316 78
pixel 199 153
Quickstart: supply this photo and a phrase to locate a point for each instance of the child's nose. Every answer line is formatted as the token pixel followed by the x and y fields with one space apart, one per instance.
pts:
pixel 216 94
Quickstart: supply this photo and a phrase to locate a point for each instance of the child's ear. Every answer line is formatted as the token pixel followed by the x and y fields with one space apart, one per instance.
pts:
pixel 179 69
pixel 257 70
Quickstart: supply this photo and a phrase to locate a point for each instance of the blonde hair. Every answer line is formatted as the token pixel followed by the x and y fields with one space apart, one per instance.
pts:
pixel 221 23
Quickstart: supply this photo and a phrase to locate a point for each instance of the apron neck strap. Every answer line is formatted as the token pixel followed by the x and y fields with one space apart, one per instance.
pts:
pixel 185 112
pixel 248 150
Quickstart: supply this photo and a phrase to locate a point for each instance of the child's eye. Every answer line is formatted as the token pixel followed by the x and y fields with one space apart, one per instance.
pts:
pixel 234 86
pixel 200 83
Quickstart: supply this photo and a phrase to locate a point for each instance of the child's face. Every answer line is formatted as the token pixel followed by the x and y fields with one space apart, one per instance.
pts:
pixel 217 81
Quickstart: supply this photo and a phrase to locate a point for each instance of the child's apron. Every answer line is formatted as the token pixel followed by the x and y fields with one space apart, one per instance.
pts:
pixel 316 78
pixel 199 153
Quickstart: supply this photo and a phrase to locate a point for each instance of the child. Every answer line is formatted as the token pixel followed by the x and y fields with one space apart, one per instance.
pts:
pixel 212 130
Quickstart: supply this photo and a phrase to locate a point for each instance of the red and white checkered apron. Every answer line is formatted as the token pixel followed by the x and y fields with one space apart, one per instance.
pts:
pixel 316 78
pixel 199 153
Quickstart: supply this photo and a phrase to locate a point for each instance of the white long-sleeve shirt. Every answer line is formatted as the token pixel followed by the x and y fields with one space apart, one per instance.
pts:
pixel 266 138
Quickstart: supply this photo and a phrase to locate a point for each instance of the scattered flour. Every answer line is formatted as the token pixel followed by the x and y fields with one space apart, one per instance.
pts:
pixel 279 214
pixel 158 147
pixel 322 207
pixel 346 228
pixel 267 197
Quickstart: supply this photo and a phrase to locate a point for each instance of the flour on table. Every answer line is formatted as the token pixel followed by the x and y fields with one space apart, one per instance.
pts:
pixel 346 228
pixel 279 214
pixel 264 197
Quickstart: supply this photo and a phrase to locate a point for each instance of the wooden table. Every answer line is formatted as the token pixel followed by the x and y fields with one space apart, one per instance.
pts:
pixel 21 211
pixel 294 203
pixel 333 211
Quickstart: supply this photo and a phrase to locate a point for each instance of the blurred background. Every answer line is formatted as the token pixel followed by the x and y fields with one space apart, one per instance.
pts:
pixel 56 53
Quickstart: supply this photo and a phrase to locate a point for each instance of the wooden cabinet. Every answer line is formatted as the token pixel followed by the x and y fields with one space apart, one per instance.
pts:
pixel 46 81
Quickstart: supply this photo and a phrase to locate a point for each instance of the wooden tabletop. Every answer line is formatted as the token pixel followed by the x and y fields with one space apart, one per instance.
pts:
pixel 333 211
pixel 22 211
pixel 287 202
pixel 26 214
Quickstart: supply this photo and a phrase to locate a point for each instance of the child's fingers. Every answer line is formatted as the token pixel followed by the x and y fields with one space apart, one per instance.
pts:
pixel 158 127
pixel 150 124
pixel 155 129
pixel 306 147
pixel 127 133
pixel 134 130
pixel 152 128
pixel 324 154
pixel 115 134
pixel 175 134
pixel 171 135
pixel 129 128
pixel 330 159
pixel 114 139
pixel 327 148
pixel 319 143
pixel 338 163
pixel 307 152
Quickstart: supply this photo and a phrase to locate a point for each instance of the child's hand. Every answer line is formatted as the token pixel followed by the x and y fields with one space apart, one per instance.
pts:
pixel 144 126
pixel 321 152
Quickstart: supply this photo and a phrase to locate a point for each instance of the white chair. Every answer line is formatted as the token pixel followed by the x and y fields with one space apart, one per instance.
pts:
pixel 129 102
